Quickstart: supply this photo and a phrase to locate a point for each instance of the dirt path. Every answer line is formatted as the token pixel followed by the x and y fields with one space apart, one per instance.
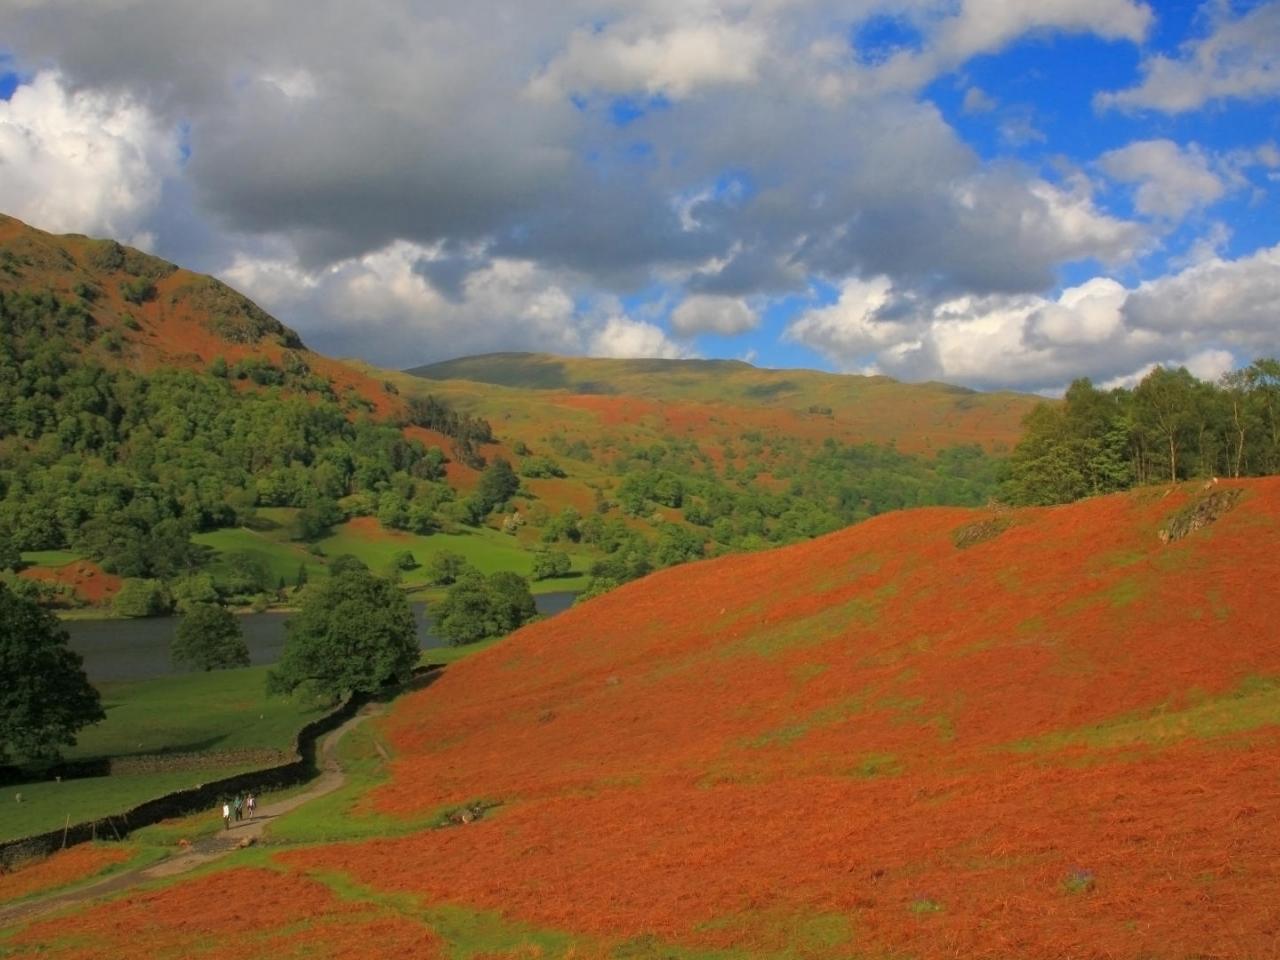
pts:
pixel 210 848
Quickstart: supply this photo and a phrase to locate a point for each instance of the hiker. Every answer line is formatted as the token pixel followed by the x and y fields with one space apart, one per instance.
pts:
pixel 252 804
pixel 226 815
pixel 239 808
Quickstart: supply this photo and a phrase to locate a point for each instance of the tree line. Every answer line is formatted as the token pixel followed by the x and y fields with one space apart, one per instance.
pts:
pixel 125 466
pixel 1170 427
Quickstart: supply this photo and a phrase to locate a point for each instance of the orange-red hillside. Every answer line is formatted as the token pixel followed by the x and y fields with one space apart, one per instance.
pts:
pixel 1059 741
pixel 176 318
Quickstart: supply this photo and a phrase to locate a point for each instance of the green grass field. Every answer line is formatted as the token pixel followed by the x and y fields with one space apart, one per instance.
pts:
pixel 272 548
pixel 218 711
pixel 211 713
pixel 50 558
pixel 487 550
pixel 47 805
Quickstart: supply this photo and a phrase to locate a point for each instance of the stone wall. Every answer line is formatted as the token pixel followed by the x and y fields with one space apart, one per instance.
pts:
pixel 182 802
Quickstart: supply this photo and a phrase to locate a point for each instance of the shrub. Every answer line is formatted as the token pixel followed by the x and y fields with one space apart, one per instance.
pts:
pixel 142 598
pixel 209 638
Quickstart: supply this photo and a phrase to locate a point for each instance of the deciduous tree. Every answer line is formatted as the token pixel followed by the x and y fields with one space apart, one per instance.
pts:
pixel 354 633
pixel 45 697
pixel 209 638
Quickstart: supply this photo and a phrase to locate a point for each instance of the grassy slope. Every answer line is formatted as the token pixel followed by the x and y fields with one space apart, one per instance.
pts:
pixel 281 557
pixel 928 742
pixel 710 403
pixel 1061 741
pixel 224 715
pixel 186 322
pixel 487 550
pixel 917 417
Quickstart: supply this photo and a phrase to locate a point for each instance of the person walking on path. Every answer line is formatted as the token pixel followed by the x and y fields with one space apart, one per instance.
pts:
pixel 252 803
pixel 239 808
pixel 226 815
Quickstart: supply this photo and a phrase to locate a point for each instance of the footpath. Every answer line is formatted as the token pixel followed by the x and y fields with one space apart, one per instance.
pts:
pixel 211 848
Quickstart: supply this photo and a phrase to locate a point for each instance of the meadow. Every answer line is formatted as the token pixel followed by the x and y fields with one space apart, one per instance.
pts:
pixel 220 723
pixel 365 539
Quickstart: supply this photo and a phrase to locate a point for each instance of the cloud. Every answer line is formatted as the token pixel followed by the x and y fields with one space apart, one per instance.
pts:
pixel 626 338
pixel 82 161
pixel 1231 301
pixel 703 313
pixel 1019 129
pixel 484 124
pixel 1171 180
pixel 1240 58
pixel 404 186
pixel 382 307
pixel 987 26
pixel 631 56
pixel 1208 317
pixel 387 307
pixel 977 101
pixel 853 326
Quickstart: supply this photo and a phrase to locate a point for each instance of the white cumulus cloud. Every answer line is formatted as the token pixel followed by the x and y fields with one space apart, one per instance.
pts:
pixel 635 56
pixel 1240 58
pixel 625 338
pixel 1171 180
pixel 1208 316
pixel 708 313
pixel 81 161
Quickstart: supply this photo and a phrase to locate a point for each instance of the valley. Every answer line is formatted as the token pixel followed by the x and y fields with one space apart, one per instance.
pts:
pixel 813 687
pixel 939 730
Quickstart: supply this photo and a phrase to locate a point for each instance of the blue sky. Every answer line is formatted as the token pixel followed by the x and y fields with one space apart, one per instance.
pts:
pixel 989 192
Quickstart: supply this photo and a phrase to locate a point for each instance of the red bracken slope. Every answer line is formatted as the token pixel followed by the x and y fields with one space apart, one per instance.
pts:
pixel 1060 741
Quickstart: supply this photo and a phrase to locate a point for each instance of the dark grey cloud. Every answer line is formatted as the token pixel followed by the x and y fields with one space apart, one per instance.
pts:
pixel 345 129
pixel 417 178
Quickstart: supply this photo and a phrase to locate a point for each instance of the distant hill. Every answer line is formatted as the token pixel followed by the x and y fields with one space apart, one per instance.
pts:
pixel 917 417
pixel 205 417
pixel 148 313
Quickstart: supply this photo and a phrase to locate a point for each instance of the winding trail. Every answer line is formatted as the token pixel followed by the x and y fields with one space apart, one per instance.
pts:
pixel 209 848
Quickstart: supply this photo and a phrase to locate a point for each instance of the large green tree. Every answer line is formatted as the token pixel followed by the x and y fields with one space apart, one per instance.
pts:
pixel 477 607
pixel 498 483
pixel 354 633
pixel 209 638
pixel 45 697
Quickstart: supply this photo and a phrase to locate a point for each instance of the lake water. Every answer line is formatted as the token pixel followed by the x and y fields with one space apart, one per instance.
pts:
pixel 138 649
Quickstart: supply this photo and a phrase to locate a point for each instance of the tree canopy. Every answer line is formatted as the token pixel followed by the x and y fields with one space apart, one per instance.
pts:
pixel 354 633
pixel 1169 427
pixel 45 697
pixel 476 607
pixel 209 638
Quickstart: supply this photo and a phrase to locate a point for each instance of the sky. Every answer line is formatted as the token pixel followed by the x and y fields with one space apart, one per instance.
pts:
pixel 995 193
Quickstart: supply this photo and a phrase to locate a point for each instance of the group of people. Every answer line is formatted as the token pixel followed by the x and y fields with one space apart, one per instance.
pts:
pixel 238 807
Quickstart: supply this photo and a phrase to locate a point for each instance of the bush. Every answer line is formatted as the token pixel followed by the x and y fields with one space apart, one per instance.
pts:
pixel 143 598
pixel 477 607
pixel 540 468
pixel 10 555
pixel 243 575
pixel 347 563
pixel 550 563
pixel 139 290
pixel 209 638
pixel 195 589
pixel 445 567
pixel 317 518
